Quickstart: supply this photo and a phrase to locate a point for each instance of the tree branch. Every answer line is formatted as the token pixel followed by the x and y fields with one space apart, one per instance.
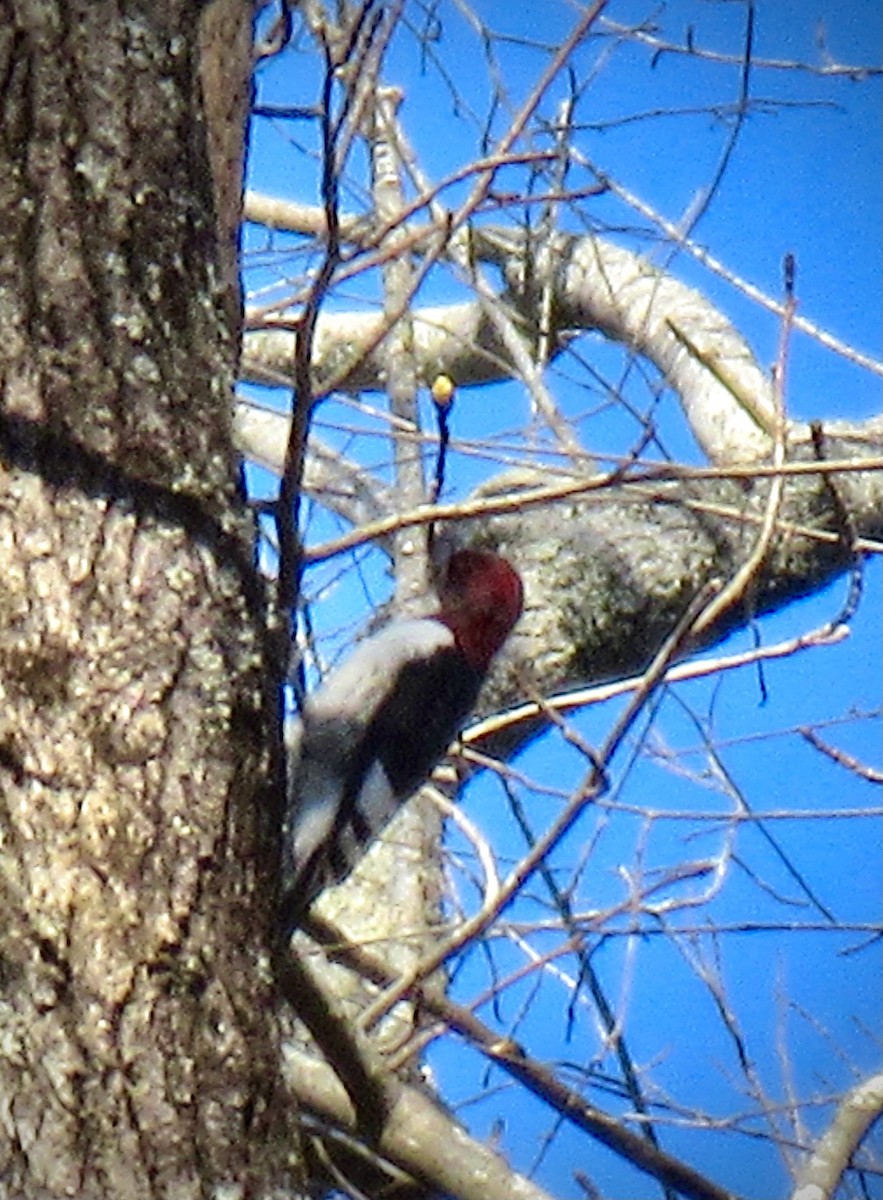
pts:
pixel 727 399
pixel 418 1136
pixel 507 1054
pixel 857 1111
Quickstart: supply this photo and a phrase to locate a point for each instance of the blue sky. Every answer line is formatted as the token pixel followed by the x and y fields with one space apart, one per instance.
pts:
pixel 803 178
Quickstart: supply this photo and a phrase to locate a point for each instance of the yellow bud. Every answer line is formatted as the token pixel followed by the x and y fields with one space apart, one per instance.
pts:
pixel 442 390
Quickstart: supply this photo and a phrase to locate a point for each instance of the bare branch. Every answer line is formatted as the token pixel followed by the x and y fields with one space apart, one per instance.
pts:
pixel 539 1079
pixel 726 398
pixel 819 1178
pixel 418 1136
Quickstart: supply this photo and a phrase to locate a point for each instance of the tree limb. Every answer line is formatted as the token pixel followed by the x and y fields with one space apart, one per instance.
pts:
pixel 507 1054
pixel 591 284
pixel 418 1136
pixel 819 1177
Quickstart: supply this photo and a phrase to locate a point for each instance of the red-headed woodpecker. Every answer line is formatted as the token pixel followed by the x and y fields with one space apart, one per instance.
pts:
pixel 374 730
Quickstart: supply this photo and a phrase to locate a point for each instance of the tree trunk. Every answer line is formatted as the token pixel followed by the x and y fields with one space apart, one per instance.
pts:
pixel 138 1042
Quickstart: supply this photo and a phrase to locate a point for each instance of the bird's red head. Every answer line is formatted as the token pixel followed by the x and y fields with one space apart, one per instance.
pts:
pixel 481 599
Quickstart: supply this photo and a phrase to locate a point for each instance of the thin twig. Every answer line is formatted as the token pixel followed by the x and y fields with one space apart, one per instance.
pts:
pixel 538 1079
pixel 598 694
pixel 290 491
pixel 862 770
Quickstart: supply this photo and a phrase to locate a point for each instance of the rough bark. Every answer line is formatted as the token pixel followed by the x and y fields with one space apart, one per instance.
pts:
pixel 139 1041
pixel 608 575
pixel 139 1049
